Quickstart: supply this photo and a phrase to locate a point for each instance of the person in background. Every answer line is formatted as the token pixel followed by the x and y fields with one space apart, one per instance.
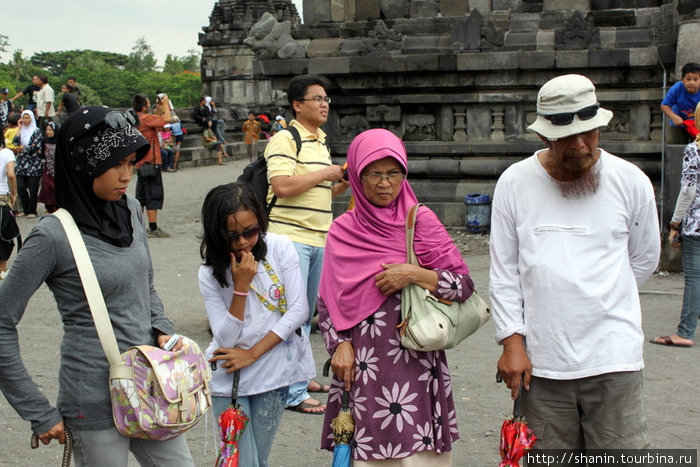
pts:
pixel 95 154
pixel 279 125
pixel 684 233
pixel 47 195
pixel 164 108
pixel 149 190
pixel 28 169
pixel 29 92
pixel 206 111
pixel 44 99
pixel 251 129
pixel 69 102
pixel 680 101
pixel 305 182
pixel 210 142
pixel 6 108
pixel 8 196
pixel 255 299
pixel 11 131
pixel 179 134
pixel 167 152
pixel 574 233
pixel 74 87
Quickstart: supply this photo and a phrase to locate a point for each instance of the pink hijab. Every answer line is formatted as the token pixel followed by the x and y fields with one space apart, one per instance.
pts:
pixel 361 240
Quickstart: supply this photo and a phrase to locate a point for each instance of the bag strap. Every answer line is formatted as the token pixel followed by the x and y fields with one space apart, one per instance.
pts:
pixel 93 293
pixel 410 229
pixel 297 140
pixel 234 388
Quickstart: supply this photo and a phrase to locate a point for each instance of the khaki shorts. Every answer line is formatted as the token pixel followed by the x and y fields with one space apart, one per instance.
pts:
pixel 599 412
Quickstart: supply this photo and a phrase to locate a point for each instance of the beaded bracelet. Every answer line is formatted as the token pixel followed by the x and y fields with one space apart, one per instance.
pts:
pixel 240 294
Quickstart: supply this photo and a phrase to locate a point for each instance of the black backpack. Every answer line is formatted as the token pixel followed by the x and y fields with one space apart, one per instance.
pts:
pixel 255 174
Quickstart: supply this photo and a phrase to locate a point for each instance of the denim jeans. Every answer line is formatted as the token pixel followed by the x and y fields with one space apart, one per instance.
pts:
pixel 168 156
pixel 109 448
pixel 265 413
pixel 218 127
pixel 311 263
pixel 690 254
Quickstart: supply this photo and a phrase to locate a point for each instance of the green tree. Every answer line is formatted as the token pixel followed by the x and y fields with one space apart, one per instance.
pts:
pixel 141 58
pixel 4 43
pixel 190 62
pixel 57 62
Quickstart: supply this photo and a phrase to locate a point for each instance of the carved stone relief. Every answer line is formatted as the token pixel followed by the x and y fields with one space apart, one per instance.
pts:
pixel 384 113
pixel 269 38
pixel 492 37
pixel 466 33
pixel 352 125
pixel 577 33
pixel 420 127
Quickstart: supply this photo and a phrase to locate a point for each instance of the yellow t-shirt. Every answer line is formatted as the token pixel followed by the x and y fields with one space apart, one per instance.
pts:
pixel 10 134
pixel 306 217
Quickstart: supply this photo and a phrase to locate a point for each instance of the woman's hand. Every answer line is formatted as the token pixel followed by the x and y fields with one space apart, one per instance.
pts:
pixel 57 432
pixel 244 271
pixel 343 363
pixel 233 359
pixel 395 277
pixel 163 339
pixel 673 236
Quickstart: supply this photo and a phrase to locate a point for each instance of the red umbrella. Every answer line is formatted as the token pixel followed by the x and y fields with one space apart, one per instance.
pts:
pixel 516 437
pixel 691 128
pixel 232 422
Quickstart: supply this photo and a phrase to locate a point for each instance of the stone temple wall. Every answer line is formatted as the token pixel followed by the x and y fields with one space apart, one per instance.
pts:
pixel 456 80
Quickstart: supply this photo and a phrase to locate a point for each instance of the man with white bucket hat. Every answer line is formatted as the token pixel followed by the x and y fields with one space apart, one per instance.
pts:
pixel 574 232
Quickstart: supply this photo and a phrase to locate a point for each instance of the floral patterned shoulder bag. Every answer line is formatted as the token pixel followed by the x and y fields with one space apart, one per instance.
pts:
pixel 156 394
pixel 431 323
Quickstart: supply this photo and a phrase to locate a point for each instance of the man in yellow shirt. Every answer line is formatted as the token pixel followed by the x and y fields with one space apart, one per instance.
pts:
pixel 305 184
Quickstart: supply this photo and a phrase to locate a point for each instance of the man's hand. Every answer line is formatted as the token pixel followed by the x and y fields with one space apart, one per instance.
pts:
pixel 514 365
pixel 334 173
pixel 57 432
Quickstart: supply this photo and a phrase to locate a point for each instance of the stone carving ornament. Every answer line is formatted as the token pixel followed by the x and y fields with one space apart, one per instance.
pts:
pixel 576 34
pixel 269 38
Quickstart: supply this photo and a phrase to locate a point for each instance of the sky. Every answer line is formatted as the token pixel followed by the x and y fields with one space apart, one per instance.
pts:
pixel 170 27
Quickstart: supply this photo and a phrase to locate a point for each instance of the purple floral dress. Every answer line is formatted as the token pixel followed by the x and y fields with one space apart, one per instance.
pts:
pixel 401 400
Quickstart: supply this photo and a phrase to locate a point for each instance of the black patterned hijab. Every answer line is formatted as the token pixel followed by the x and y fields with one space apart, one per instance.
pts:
pixel 90 142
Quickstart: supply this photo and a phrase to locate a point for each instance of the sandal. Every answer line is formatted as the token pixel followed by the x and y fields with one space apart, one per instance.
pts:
pixel 307 408
pixel 321 387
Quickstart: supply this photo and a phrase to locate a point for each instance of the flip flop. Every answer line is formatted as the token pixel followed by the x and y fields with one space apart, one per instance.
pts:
pixel 321 387
pixel 666 340
pixel 304 408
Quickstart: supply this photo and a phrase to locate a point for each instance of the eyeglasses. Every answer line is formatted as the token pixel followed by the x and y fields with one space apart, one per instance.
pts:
pixel 247 234
pixel 566 118
pixel 317 99
pixel 375 178
pixel 119 120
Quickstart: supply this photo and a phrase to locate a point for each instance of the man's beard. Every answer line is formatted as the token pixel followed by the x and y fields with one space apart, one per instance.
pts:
pixel 585 185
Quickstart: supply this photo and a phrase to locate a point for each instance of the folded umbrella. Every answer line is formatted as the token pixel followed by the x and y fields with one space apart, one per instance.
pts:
pixel 691 128
pixel 232 422
pixel 343 431
pixel 516 437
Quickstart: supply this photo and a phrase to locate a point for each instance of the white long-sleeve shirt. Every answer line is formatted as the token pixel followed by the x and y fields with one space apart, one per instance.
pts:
pixel 289 361
pixel 564 272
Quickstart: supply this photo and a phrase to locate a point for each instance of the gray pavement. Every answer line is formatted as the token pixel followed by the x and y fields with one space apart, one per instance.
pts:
pixel 670 378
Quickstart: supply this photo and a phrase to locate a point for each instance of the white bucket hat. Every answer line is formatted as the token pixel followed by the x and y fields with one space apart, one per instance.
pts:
pixel 567 105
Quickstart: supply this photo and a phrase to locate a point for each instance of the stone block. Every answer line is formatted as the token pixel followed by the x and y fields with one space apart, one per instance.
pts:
pixel 687 7
pixel 484 6
pixel 608 58
pixel 643 56
pixel 607 38
pixel 545 40
pixel 423 8
pixel 447 63
pixel 553 19
pixel 364 64
pixel 538 59
pixel 613 18
pixel 317 11
pixel 570 5
pixel 632 37
pixel 337 10
pixel 391 63
pixel 687 47
pixel 473 61
pixel 521 40
pixel 452 8
pixel 329 66
pixel 324 48
pixel 365 10
pixel 503 60
pixel 571 59
pixel 524 22
pixel 282 67
pixel 478 123
pixel 514 122
pixel 393 9
pixel 421 44
pixel 422 62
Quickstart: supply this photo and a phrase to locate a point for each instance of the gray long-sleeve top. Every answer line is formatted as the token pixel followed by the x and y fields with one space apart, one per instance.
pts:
pixel 126 279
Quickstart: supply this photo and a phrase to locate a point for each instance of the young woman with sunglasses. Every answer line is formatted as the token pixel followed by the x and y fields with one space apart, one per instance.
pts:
pixel 255 299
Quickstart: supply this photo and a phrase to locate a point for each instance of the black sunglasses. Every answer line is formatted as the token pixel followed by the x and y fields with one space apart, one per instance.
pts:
pixel 566 118
pixel 247 234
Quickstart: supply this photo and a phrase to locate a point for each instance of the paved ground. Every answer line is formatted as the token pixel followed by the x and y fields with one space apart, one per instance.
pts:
pixel 671 374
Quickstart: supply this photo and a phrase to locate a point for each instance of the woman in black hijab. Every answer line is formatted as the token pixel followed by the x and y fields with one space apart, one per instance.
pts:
pixel 95 152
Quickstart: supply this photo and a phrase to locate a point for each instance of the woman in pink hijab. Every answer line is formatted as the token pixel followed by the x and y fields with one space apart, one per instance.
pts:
pixel 401 400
